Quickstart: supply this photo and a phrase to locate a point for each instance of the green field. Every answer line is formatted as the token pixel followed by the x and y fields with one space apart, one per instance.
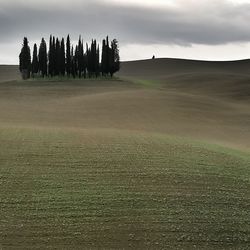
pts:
pixel 151 160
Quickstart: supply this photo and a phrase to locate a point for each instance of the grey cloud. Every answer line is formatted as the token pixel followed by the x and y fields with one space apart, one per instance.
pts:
pixel 218 24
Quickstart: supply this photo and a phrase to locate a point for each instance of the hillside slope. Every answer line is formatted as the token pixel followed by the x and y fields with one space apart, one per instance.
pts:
pixel 160 68
pixel 156 159
pixel 223 79
pixel 9 73
pixel 202 100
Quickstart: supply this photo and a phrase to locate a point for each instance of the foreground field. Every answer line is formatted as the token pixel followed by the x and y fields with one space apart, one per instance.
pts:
pixel 113 189
pixel 147 161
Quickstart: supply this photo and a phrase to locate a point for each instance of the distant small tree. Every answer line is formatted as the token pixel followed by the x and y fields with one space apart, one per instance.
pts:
pixel 25 59
pixel 35 65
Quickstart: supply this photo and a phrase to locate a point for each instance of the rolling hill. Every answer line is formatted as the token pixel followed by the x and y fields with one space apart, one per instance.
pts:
pixel 157 158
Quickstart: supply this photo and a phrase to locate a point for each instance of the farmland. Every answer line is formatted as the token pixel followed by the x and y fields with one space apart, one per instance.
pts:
pixel 157 157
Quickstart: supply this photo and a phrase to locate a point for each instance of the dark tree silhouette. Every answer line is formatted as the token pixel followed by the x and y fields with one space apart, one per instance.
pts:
pixel 54 56
pixel 73 62
pixel 92 57
pixel 68 56
pixel 97 62
pixel 25 59
pixel 80 58
pixel 85 61
pixel 43 58
pixel 35 65
pixel 77 60
pixel 62 58
pixel 108 57
pixel 115 57
pixel 103 61
pixel 50 56
pixel 58 57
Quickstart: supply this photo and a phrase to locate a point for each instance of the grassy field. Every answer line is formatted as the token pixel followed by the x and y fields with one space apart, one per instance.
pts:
pixel 152 160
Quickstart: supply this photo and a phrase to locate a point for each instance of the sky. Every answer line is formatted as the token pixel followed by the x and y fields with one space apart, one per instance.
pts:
pixel 193 29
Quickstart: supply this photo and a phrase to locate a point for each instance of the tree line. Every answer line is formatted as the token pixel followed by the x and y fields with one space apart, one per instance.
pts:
pixel 62 59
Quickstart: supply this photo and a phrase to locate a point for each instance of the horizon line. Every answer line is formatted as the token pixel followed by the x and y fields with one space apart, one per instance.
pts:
pixel 166 58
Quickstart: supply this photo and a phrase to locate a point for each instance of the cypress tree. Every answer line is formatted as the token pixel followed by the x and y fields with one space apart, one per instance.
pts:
pixel 62 58
pixel 95 66
pixel 106 57
pixel 107 54
pixel 25 59
pixel 84 62
pixel 43 58
pixel 80 58
pixel 54 56
pixel 75 61
pixel 97 62
pixel 115 57
pixel 103 57
pixel 88 61
pixel 72 66
pixel 92 54
pixel 35 61
pixel 92 57
pixel 103 61
pixel 50 56
pixel 58 57
pixel 68 56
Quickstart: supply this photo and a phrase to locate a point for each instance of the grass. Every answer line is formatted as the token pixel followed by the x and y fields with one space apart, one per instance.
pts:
pixel 113 189
pixel 70 78
pixel 148 83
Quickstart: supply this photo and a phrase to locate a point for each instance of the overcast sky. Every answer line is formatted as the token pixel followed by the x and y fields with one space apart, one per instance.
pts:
pixel 197 29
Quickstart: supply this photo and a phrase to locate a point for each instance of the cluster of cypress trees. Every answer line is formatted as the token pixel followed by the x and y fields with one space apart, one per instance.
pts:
pixel 70 61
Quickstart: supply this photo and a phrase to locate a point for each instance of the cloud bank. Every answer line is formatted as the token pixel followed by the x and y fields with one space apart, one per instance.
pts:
pixel 172 22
